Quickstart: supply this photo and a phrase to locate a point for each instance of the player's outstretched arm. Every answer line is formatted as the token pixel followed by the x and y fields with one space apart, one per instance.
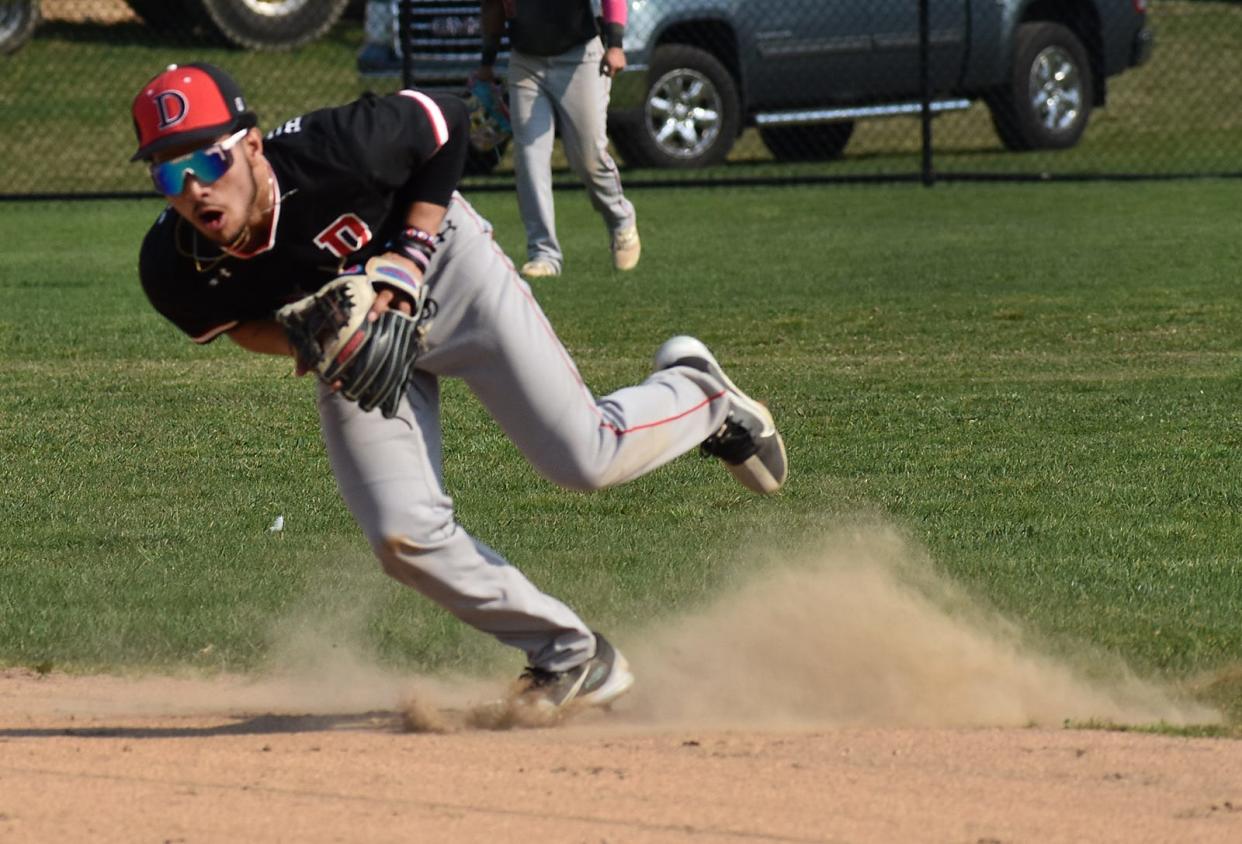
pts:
pixel 264 336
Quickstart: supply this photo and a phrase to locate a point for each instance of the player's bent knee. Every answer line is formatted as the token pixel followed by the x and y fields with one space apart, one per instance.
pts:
pixel 580 475
pixel 579 478
pixel 405 559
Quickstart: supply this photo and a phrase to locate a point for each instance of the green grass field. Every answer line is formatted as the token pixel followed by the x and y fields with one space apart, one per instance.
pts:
pixel 1038 384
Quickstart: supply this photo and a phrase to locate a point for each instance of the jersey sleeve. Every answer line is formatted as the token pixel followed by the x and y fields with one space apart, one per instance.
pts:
pixel 412 143
pixel 615 14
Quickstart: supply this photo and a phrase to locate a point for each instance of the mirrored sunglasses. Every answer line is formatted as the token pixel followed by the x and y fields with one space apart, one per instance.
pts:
pixel 207 165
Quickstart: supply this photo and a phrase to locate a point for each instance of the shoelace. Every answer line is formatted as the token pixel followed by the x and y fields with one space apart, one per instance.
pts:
pixel 538 677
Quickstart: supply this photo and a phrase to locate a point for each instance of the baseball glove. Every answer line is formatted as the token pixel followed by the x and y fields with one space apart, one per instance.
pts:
pixel 489 115
pixel 370 360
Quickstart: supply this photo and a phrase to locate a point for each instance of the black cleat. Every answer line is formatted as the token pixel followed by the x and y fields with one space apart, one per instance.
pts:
pixel 597 682
pixel 747 442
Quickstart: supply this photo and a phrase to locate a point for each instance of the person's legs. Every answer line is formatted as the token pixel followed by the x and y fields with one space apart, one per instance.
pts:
pixel 492 333
pixel 581 96
pixel 534 130
pixel 388 471
pixel 486 328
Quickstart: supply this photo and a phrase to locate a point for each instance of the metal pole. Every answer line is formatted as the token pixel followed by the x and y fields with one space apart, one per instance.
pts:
pixel 929 175
pixel 405 21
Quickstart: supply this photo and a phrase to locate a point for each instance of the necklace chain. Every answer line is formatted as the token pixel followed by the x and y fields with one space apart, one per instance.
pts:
pixel 204 263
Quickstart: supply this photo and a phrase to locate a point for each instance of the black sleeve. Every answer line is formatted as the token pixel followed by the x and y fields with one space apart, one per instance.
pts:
pixel 171 291
pixel 441 173
pixel 412 143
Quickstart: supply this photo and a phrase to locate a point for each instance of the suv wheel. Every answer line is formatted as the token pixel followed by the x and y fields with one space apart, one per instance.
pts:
pixel 813 142
pixel 1047 100
pixel 272 24
pixel 17 24
pixel 690 113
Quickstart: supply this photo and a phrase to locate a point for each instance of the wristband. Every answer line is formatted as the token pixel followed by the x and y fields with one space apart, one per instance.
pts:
pixel 414 244
pixel 613 34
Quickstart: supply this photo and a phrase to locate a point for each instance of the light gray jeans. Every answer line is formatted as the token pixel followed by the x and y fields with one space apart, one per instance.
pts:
pixel 489 331
pixel 566 91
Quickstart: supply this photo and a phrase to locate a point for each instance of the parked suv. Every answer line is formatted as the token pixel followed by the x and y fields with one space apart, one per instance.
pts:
pixel 700 71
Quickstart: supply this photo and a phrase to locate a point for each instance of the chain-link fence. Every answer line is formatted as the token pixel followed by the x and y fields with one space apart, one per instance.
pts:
pixel 715 90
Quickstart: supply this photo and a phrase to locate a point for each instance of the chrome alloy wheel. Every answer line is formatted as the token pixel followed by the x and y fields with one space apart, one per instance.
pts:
pixel 683 113
pixel 1056 90
pixel 274 8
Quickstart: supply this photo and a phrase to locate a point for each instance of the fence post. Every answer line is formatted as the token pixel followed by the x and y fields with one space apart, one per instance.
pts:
pixel 929 175
pixel 405 21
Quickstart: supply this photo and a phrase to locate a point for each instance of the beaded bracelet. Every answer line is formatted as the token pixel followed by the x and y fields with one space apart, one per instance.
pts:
pixel 415 244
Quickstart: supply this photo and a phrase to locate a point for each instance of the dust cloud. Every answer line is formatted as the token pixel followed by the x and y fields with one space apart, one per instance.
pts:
pixel 861 630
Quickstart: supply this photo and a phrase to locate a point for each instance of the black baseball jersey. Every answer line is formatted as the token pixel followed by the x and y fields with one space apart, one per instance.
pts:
pixel 550 27
pixel 345 179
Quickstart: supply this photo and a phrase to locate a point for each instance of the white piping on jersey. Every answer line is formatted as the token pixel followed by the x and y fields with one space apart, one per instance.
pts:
pixel 438 124
pixel 271 236
pixel 211 334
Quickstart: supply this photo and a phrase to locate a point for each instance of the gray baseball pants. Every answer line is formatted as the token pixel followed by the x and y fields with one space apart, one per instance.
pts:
pixel 488 331
pixel 565 90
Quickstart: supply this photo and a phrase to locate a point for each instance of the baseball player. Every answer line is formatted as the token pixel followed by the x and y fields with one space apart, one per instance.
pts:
pixel 561 64
pixel 347 220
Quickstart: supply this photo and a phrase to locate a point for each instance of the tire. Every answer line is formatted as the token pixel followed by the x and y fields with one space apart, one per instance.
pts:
pixel 272 24
pixel 690 114
pixel 18 19
pixel 1047 100
pixel 813 142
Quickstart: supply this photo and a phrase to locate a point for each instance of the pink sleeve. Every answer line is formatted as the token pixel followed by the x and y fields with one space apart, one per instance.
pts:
pixel 615 11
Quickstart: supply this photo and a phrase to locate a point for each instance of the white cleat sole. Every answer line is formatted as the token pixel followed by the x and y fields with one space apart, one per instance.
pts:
pixel 619 681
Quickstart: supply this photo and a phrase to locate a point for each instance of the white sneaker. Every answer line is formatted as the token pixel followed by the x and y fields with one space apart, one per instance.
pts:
pixel 747 442
pixel 626 248
pixel 539 268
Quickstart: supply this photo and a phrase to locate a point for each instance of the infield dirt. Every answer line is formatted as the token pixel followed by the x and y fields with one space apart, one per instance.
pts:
pixel 87 759
pixel 852 695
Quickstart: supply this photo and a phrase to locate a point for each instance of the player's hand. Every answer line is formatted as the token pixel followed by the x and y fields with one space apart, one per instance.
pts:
pixel 387 299
pixel 387 296
pixel 612 63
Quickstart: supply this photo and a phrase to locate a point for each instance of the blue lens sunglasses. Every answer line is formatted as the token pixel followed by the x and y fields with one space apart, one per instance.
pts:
pixel 207 165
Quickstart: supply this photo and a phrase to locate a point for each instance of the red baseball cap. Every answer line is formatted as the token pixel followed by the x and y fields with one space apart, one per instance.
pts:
pixel 189 102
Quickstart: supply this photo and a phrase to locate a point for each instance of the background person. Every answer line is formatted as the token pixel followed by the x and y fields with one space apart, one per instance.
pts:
pixel 560 73
pixel 380 54
pixel 256 223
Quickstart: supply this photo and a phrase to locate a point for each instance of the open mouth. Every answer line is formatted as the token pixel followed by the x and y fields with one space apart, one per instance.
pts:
pixel 211 220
